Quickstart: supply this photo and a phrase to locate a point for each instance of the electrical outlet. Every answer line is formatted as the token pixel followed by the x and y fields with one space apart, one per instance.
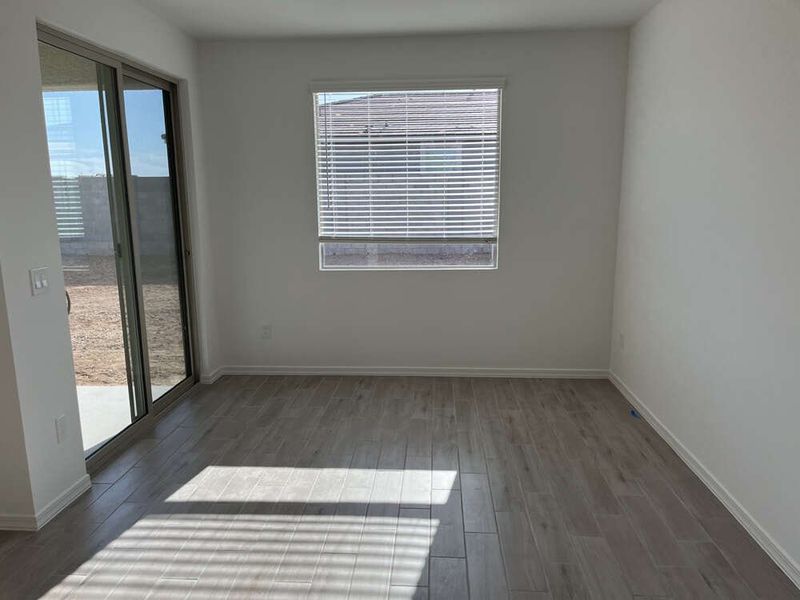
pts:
pixel 266 332
pixel 61 428
pixel 621 341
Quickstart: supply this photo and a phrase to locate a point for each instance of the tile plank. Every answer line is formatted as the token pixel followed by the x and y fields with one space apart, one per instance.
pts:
pixel 446 512
pixel 448 579
pixel 655 533
pixel 637 567
pixel 524 565
pixel 477 504
pixel 604 579
pixel 485 570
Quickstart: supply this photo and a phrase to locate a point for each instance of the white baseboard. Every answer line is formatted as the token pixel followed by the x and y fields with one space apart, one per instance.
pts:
pixel 63 500
pixel 411 371
pixel 41 518
pixel 18 522
pixel 775 551
pixel 211 377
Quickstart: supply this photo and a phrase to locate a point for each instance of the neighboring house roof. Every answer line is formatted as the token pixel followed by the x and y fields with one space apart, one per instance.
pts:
pixel 420 114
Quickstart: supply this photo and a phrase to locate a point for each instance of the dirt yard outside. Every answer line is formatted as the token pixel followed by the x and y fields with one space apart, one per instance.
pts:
pixel 96 327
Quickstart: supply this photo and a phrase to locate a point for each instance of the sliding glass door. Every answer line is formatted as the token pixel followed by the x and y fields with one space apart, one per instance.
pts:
pixel 111 139
pixel 79 98
pixel 154 197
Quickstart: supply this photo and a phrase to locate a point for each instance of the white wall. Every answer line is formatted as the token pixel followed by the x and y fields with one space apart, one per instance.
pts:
pixel 15 499
pixel 34 341
pixel 708 285
pixel 549 304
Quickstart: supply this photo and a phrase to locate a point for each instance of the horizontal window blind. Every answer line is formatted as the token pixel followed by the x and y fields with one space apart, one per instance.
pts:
pixel 408 165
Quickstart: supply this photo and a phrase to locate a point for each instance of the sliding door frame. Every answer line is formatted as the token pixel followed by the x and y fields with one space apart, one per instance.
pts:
pixel 125 67
pixel 176 193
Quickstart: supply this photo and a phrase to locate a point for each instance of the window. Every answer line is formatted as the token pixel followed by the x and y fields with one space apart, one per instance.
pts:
pixel 408 179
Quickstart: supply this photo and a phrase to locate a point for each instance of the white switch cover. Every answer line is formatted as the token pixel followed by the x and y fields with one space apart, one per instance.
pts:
pixel 39 283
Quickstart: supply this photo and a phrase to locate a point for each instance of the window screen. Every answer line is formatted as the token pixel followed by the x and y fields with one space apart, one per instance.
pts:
pixel 408 179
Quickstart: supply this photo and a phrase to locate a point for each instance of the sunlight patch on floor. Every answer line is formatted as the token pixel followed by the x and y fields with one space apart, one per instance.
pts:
pixel 241 532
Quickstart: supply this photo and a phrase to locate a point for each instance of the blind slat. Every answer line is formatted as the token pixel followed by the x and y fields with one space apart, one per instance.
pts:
pixel 408 164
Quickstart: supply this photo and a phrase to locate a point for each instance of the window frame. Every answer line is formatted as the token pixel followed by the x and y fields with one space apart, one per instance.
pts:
pixel 408 85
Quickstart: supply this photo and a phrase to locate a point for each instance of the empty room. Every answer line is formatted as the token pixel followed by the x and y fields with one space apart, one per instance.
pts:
pixel 423 299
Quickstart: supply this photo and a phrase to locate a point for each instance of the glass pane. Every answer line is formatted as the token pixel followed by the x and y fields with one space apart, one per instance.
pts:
pixel 383 255
pixel 153 195
pixel 79 100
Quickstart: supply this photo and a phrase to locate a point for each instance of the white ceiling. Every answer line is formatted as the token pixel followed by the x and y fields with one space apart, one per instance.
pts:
pixel 218 19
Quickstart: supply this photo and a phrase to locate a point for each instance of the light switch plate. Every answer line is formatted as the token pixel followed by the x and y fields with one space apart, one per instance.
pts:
pixel 39 281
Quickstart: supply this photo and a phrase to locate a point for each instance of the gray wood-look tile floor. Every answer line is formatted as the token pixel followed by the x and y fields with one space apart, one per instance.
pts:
pixel 368 487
